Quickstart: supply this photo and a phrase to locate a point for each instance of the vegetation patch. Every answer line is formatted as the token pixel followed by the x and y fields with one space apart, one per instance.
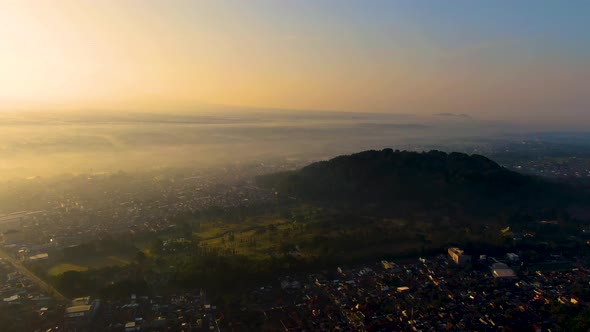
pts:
pixel 65 267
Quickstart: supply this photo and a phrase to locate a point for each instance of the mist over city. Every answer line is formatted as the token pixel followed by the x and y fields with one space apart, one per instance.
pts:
pixel 294 166
pixel 60 143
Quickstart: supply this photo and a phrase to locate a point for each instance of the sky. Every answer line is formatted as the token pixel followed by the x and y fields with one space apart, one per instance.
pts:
pixel 509 60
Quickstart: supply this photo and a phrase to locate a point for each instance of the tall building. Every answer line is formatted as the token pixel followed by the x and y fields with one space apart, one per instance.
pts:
pixel 458 256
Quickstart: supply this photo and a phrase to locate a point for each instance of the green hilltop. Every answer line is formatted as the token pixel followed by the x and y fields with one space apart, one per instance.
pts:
pixel 389 181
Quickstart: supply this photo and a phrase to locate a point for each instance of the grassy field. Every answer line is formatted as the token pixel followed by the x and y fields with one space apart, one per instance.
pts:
pixel 267 236
pixel 81 265
pixel 257 239
pixel 65 267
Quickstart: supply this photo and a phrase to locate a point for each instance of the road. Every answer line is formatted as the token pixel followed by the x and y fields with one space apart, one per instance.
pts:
pixel 31 276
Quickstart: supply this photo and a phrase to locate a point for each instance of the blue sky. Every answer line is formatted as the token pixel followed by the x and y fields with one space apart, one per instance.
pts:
pixel 493 59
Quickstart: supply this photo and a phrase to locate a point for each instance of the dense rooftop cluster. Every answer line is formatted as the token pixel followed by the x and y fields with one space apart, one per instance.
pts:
pixel 25 305
pixel 432 294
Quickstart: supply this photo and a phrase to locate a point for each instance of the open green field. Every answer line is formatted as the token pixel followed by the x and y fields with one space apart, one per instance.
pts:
pixel 216 229
pixel 65 267
pixel 256 239
pixel 81 265
pixel 267 236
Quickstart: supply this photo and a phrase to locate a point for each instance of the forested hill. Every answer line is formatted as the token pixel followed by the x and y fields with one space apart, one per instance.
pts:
pixel 393 180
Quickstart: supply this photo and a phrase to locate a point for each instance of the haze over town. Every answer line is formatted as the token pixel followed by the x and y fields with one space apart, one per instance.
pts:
pixel 295 165
pixel 99 86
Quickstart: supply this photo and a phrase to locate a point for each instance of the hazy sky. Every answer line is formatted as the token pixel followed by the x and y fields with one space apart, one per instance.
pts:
pixel 494 59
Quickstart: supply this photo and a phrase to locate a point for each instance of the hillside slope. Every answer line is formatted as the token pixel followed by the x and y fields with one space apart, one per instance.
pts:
pixel 391 180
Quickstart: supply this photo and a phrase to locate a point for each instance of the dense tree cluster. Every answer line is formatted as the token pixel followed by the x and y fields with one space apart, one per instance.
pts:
pixel 401 181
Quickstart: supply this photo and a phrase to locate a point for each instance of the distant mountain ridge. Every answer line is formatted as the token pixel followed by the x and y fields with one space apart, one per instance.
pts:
pixel 458 115
pixel 394 180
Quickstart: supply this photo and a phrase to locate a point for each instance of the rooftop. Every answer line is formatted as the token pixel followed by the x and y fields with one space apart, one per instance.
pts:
pixel 39 256
pixel 81 301
pixel 456 251
pixel 78 308
pixel 501 270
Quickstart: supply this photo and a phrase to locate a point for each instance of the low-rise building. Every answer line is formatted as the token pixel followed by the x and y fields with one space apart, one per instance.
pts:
pixel 458 256
pixel 501 270
pixel 80 314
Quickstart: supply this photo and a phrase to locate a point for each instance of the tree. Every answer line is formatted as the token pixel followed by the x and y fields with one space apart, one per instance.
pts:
pixel 157 246
pixel 582 321
pixel 140 257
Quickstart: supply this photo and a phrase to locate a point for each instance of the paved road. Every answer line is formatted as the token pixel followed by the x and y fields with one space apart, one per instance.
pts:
pixel 31 276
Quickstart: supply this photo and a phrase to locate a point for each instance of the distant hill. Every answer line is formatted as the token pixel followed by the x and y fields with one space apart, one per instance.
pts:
pixel 399 181
pixel 461 115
